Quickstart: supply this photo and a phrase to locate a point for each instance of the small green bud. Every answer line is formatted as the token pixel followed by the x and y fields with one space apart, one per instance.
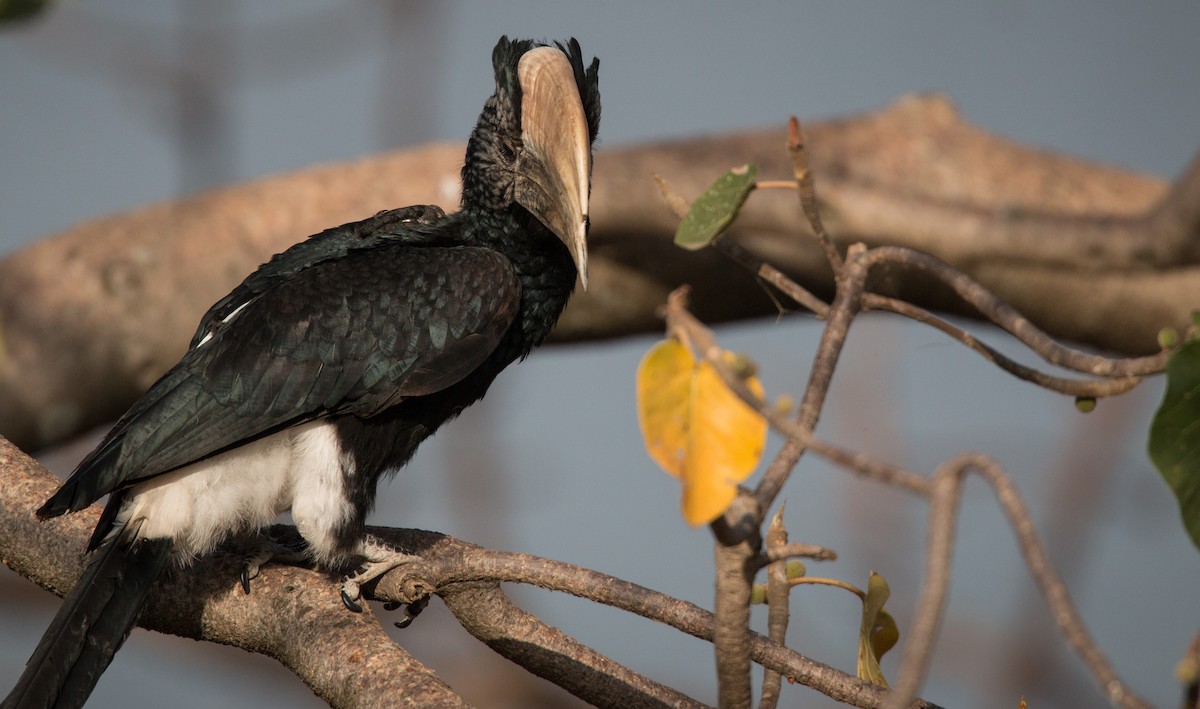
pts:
pixel 1168 338
pixel 1085 404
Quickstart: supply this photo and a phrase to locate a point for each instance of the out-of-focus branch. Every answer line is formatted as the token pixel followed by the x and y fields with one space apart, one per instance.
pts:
pixel 89 317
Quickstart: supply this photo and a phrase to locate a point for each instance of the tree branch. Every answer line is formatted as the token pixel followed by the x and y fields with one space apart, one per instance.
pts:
pixel 296 615
pixel 293 615
pixel 1088 253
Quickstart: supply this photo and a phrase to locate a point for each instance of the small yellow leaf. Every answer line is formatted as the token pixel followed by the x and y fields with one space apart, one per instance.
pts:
pixel 697 429
pixel 878 632
pixel 664 384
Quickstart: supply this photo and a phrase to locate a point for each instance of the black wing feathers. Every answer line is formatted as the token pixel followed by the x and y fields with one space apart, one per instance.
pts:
pixel 352 333
pixel 329 244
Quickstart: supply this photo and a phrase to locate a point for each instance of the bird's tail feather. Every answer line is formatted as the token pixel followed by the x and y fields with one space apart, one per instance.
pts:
pixel 95 618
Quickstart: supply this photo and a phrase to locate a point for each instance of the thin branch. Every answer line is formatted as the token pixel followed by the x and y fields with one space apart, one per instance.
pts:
pixel 487 613
pixel 836 583
pixel 451 562
pixel 1004 316
pixel 782 552
pixel 1062 608
pixel 845 306
pixel 808 193
pixel 1098 388
pixel 778 610
pixel 772 275
pixel 944 496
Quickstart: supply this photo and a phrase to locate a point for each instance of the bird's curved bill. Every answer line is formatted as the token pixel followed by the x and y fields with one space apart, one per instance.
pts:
pixel 554 170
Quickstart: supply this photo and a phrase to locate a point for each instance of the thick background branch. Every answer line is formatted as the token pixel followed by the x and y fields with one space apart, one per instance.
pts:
pixel 90 317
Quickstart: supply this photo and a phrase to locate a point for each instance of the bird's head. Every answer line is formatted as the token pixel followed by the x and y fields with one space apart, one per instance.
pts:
pixel 532 146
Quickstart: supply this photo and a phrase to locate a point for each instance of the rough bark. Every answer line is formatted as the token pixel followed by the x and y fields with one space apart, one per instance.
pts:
pixel 294 615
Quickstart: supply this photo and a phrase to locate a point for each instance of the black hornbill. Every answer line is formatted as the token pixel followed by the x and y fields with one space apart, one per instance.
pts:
pixel 327 367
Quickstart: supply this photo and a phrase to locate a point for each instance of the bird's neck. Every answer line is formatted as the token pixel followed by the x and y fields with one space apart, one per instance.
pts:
pixel 541 261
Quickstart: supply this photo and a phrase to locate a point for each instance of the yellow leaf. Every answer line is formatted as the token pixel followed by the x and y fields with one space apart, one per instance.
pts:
pixel 878 632
pixel 697 429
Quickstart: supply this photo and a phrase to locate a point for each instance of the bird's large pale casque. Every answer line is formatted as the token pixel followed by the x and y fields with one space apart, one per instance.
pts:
pixel 553 176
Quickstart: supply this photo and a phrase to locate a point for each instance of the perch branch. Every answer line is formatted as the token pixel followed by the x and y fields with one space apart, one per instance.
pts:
pixel 277 618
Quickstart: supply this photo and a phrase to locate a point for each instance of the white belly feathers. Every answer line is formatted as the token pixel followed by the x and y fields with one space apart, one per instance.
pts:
pixel 299 469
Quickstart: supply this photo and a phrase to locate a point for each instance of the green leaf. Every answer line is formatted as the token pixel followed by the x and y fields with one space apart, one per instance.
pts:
pixel 878 632
pixel 713 212
pixel 20 9
pixel 1175 434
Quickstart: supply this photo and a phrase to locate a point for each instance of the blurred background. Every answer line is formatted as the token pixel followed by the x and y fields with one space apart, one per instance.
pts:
pixel 105 106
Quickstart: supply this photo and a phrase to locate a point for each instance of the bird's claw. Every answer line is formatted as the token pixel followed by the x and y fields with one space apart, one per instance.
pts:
pixel 246 575
pixel 411 611
pixel 263 550
pixel 381 558
pixel 351 602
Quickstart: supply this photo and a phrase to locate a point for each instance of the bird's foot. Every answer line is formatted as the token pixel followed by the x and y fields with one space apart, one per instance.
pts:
pixel 381 558
pixel 262 550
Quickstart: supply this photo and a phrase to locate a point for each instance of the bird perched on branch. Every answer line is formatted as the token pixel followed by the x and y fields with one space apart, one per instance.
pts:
pixel 327 367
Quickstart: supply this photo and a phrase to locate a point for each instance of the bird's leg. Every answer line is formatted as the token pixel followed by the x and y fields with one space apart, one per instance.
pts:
pixel 261 549
pixel 380 558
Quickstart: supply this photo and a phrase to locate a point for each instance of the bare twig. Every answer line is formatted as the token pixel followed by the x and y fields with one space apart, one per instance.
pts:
pixel 1072 387
pixel 783 551
pixel 772 275
pixel 944 495
pixel 778 610
pixel 845 306
pixel 1001 314
pixel 808 192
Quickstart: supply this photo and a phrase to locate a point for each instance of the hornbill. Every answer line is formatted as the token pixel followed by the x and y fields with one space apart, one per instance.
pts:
pixel 329 365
